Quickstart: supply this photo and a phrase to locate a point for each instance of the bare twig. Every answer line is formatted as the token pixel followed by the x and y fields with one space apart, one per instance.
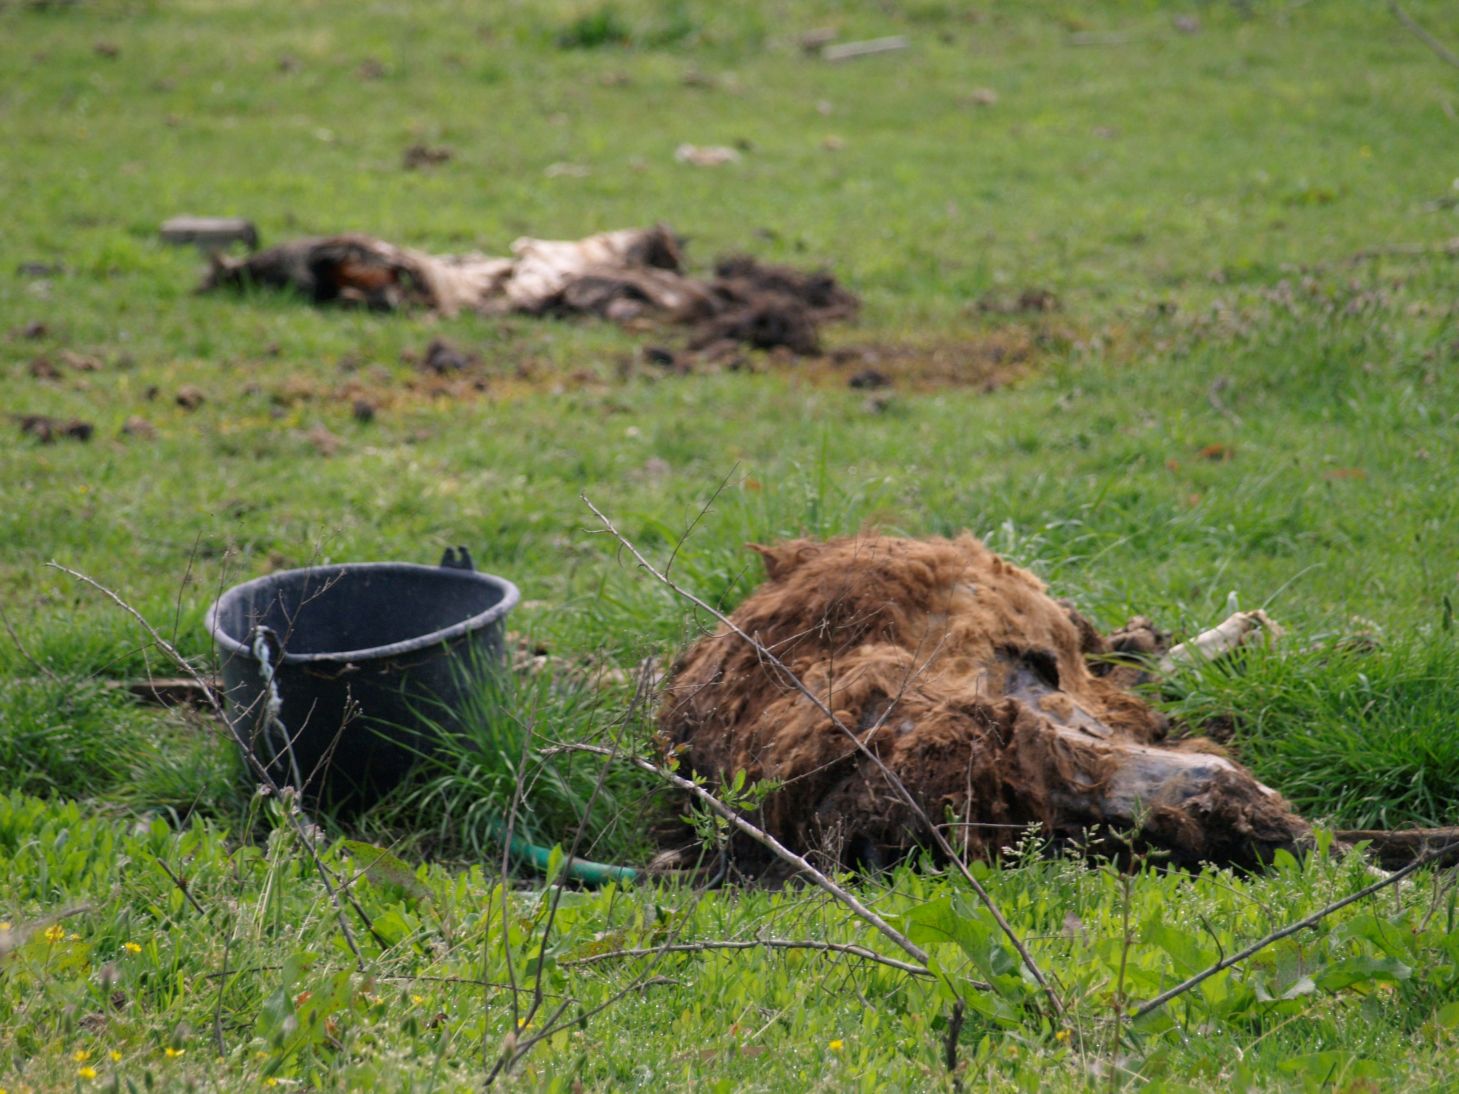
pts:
pixel 850 51
pixel 1441 51
pixel 640 694
pixel 893 781
pixel 513 1050
pixel 181 886
pixel 1449 249
pixel 1218 404
pixel 551 1026
pixel 954 1030
pixel 1291 929
pixel 773 845
pixel 19 645
pixel 703 509
pixel 755 944
pixel 218 1040
pixel 292 814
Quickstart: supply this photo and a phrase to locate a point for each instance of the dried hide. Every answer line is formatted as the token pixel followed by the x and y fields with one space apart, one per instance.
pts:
pixel 993 703
pixel 620 275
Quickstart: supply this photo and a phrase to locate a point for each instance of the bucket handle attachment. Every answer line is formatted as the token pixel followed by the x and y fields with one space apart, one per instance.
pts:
pixel 457 558
pixel 268 652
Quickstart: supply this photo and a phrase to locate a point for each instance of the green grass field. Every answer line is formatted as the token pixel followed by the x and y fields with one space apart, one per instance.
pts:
pixel 1249 384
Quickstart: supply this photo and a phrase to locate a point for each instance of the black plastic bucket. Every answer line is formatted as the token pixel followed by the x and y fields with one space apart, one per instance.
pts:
pixel 337 677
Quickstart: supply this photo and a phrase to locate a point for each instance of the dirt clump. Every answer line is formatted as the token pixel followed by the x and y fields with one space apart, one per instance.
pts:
pixel 47 430
pixel 1033 299
pixel 190 397
pixel 418 156
pixel 140 428
pixel 442 357
pixel 986 697
pixel 869 379
pixel 984 361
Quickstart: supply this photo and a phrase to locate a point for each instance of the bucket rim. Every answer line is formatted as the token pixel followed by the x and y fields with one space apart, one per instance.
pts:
pixel 232 647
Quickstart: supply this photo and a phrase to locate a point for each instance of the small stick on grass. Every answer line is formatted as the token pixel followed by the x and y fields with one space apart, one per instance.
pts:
pixel 773 845
pixel 954 1031
pixel 181 887
pixel 1291 929
pixel 1441 51
pixel 755 944
pixel 19 645
pixel 291 813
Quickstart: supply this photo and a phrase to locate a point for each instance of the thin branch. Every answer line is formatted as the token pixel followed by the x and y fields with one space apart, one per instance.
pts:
pixel 756 944
pixel 291 811
pixel 954 1030
pixel 669 566
pixel 1449 249
pixel 181 886
pixel 1441 51
pixel 218 1040
pixel 551 1026
pixel 893 781
pixel 1291 929
pixel 19 645
pixel 773 845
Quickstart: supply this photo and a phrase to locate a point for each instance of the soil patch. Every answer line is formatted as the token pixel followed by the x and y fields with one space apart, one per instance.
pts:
pixel 983 362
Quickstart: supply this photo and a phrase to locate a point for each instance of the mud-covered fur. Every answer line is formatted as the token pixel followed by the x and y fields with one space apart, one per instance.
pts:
pixel 975 688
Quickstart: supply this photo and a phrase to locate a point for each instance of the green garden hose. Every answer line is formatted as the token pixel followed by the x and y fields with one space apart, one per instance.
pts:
pixel 579 869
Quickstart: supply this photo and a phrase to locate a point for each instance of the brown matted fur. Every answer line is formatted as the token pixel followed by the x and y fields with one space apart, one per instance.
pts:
pixel 983 694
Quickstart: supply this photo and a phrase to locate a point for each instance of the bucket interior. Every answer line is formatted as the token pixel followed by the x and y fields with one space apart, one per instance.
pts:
pixel 324 611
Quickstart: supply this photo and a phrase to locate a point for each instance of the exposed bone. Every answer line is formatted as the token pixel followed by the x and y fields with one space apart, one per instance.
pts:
pixel 210 233
pixel 850 51
pixel 1220 640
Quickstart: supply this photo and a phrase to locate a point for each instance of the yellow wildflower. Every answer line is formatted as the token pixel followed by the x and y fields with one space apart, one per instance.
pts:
pixel 116 1057
pixel 4 926
pixel 837 1045
pixel 270 1081
pixel 87 1073
pixel 131 947
pixel 174 1053
pixel 81 1055
pixel 417 999
pixel 54 933
pixel 1062 1036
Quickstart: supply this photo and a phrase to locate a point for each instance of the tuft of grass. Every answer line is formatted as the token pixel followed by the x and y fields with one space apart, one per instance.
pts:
pixel 66 737
pixel 498 759
pixel 75 737
pixel 1362 738
pixel 595 29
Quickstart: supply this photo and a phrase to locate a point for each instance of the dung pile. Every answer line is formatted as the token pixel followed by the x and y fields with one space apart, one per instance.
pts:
pixel 992 702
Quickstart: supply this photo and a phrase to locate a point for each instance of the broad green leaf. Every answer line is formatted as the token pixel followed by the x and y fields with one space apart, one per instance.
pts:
pixel 385 869
pixel 1361 970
